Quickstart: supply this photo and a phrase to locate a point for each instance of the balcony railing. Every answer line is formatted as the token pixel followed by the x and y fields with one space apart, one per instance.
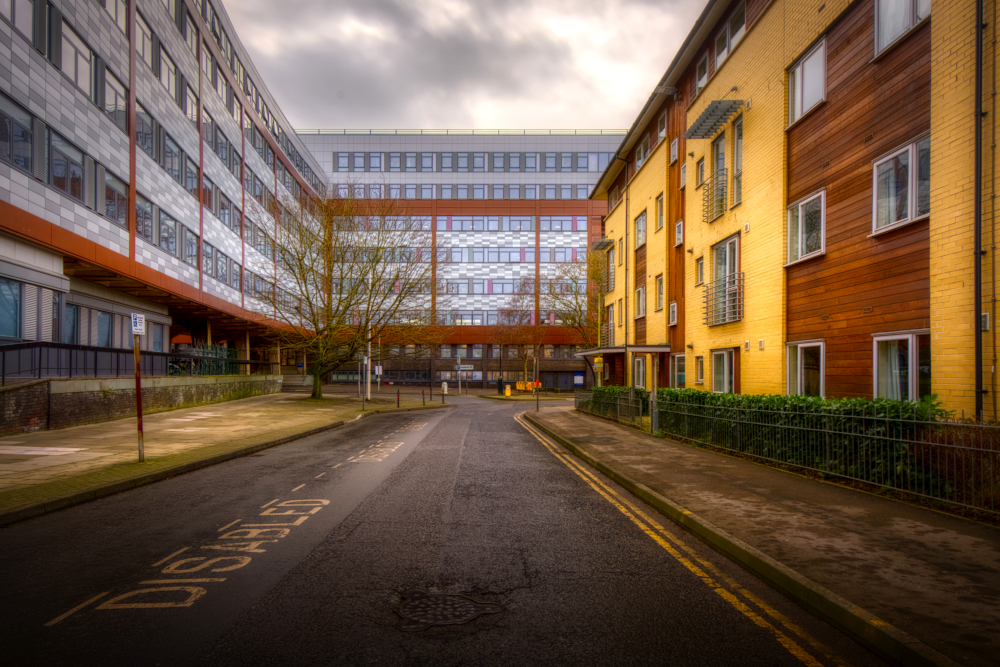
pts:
pixel 724 300
pixel 714 195
pixel 607 335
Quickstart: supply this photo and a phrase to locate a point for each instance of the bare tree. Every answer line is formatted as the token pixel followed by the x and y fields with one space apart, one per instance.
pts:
pixel 346 272
pixel 516 328
pixel 575 292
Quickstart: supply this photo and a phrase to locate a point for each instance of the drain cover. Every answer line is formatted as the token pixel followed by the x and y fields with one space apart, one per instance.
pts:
pixel 420 610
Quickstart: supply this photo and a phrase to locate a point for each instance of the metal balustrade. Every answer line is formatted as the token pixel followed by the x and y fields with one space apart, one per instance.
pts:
pixel 714 195
pixel 724 300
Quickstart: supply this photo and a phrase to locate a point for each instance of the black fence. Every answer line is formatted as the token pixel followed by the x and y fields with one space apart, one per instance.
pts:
pixel 38 360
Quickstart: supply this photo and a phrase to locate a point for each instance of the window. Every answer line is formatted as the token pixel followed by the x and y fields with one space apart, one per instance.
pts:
pixel 190 33
pixel 672 314
pixel 613 197
pixel 144 41
pixel 550 191
pixel 640 229
pixel 702 74
pixel 683 182
pixel 411 161
pixel 144 218
pixel 66 167
pixel 566 192
pixel 582 191
pixel 893 18
pixel 902 368
pixel 659 212
pixel 115 200
pixel 639 372
pixel 700 173
pixel 659 292
pixel 611 319
pixel 104 324
pixel 10 309
pixel 374 162
pixel 807 82
pixel 550 162
pixel 168 73
pixel 620 313
pixel 479 162
pixel 531 192
pixel 114 101
pixel 805 369
pixel 514 163
pixel 806 227
pixel 191 178
pixel 621 250
pixel 730 35
pixel 167 234
pixel 77 60
pixel 679 233
pixel 611 269
pixel 699 271
pixel 497 192
pixel 723 374
pixel 566 162
pixel 191 106
pixel 207 260
pixel 190 247
pixel 463 191
pixel 479 192
pixel 531 161
pixel 738 161
pixel 699 370
pixel 678 375
pixel 673 151
pixel 902 185
pixel 22 17
pixel 642 152
pixel 640 302
pixel 661 128
pixel 15 135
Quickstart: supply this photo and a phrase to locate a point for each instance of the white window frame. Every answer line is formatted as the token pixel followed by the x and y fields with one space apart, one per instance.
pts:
pixel 701 80
pixel 699 370
pixel 684 169
pixel 912 184
pixel 640 302
pixel 639 371
pixel 620 313
pixel 794 347
pixel 699 271
pixel 700 172
pixel 914 359
pixel 640 230
pixel 796 209
pixel 795 109
pixel 659 211
pixel 672 317
pixel 676 361
pixel 728 357
pixel 659 291
pixel 661 127
pixel 914 21
pixel 678 233
pixel 642 152
pixel 673 150
pixel 721 55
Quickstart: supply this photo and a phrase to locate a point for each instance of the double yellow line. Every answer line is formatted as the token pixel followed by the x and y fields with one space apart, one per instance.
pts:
pixel 778 625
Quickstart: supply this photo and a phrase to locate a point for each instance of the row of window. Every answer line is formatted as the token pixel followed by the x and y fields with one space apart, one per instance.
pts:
pixel 508 255
pixel 462 191
pixel 511 286
pixel 463 162
pixel 504 223
pixel 901 368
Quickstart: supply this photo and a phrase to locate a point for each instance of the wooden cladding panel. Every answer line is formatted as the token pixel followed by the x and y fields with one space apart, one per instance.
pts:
pixel 640 331
pixel 862 285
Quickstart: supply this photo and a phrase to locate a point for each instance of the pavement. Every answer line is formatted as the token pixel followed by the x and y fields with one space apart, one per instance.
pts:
pixel 917 586
pixel 47 470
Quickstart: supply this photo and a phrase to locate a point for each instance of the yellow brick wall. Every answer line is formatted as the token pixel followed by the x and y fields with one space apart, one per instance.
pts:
pixel 757 69
pixel 952 203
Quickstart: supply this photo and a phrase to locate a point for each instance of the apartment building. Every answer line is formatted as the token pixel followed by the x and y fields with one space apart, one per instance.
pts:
pixel 824 232
pixel 506 210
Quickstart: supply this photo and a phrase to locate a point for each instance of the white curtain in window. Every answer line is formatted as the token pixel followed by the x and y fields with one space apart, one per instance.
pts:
pixel 892 370
pixel 893 20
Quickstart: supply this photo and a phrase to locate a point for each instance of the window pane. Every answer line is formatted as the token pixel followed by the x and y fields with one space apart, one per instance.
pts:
pixel 793 234
pixel 719 372
pixel 923 9
pixel 924 176
pixel 737 25
pixel 10 308
pixel 923 366
pixel 793 369
pixel 71 325
pixel 813 78
pixel 811 377
pixel 893 362
pixel 892 204
pixel 812 226
pixel 893 20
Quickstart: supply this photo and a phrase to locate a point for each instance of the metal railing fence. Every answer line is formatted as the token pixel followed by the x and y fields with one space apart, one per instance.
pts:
pixel 724 299
pixel 714 195
pixel 37 360
pixel 948 461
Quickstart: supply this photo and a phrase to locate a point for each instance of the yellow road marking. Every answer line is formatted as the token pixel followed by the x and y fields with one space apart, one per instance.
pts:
pixel 76 609
pixel 319 475
pixel 161 562
pixel 229 524
pixel 654 530
pixel 338 465
pixel 180 581
pixel 270 503
pixel 297 488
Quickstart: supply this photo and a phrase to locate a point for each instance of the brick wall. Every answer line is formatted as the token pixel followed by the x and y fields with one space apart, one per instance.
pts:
pixel 52 404
pixel 24 408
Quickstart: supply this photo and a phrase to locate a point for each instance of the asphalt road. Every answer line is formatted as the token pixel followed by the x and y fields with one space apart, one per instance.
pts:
pixel 307 553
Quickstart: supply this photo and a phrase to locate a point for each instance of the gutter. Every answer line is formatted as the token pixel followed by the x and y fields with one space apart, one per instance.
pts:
pixel 978 212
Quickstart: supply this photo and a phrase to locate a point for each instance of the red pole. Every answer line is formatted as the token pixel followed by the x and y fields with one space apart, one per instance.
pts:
pixel 138 394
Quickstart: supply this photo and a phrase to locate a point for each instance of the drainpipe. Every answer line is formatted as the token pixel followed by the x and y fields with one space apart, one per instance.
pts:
pixel 993 220
pixel 628 362
pixel 978 211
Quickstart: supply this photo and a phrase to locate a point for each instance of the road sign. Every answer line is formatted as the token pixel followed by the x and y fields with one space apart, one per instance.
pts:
pixel 464 367
pixel 138 324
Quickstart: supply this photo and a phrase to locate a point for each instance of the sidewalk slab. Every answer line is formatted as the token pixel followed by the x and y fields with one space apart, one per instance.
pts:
pixel 45 471
pixel 918 586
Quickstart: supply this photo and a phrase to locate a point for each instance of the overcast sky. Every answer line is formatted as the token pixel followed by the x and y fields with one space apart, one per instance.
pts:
pixel 429 64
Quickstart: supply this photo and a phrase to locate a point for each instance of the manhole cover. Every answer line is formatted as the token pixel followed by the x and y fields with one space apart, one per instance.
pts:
pixel 420 610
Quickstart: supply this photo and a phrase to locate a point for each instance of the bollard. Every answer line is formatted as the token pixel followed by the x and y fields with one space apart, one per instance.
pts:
pixel 397 398
pixel 422 401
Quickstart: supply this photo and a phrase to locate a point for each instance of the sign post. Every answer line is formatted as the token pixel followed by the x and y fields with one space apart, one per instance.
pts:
pixel 138 329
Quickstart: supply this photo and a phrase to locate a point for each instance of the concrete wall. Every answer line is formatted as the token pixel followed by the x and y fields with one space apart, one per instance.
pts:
pixel 52 404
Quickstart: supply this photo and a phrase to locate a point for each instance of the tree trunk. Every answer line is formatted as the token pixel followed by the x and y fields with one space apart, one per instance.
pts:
pixel 317 391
